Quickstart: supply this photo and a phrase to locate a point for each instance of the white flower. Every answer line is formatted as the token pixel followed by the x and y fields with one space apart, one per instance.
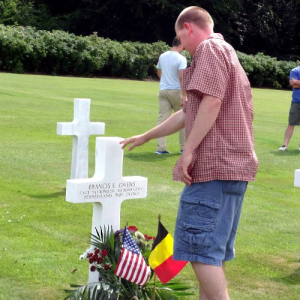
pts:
pixel 86 253
pixel 139 235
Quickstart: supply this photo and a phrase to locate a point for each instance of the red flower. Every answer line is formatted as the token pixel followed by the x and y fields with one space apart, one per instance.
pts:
pixel 107 267
pixel 90 255
pixel 93 258
pixel 93 268
pixel 148 237
pixel 97 251
pixel 99 260
pixel 132 229
pixel 104 253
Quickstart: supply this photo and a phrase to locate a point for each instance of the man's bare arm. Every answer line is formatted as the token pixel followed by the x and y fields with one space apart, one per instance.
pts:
pixel 295 83
pixel 183 92
pixel 159 73
pixel 170 126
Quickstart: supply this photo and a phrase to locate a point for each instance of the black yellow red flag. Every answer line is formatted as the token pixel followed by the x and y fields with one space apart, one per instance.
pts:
pixel 161 256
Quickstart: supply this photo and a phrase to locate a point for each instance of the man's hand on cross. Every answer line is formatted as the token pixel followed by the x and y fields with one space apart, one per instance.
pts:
pixel 136 141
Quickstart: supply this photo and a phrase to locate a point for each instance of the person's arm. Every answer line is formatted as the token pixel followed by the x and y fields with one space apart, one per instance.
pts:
pixel 169 126
pixel 206 116
pixel 183 92
pixel 159 73
pixel 295 83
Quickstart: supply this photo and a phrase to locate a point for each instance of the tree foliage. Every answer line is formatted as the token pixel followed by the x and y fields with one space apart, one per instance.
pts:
pixel 268 26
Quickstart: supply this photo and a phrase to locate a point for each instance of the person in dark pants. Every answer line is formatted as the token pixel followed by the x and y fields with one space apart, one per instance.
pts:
pixel 294 115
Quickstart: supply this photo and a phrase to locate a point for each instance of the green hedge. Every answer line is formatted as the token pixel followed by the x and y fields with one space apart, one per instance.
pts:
pixel 266 71
pixel 25 49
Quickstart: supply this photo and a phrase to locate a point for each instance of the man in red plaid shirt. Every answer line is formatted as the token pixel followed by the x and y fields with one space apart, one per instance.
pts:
pixel 218 159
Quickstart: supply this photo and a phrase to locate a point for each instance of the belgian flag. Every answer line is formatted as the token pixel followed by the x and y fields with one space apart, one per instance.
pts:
pixel 161 256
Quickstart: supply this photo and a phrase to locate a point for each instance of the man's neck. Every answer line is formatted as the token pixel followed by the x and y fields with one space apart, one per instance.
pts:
pixel 176 49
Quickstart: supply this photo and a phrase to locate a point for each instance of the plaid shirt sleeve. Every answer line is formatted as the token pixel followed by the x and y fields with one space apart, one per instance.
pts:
pixel 211 74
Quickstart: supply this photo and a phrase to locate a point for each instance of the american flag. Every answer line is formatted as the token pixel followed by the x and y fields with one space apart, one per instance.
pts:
pixel 131 265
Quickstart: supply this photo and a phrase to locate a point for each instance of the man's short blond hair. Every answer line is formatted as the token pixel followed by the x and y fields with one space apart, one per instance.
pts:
pixel 196 15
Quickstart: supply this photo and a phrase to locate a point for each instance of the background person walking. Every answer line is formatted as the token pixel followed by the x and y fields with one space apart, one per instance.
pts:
pixel 294 114
pixel 171 95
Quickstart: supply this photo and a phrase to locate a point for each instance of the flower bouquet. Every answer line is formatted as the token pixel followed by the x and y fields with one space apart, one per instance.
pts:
pixel 104 257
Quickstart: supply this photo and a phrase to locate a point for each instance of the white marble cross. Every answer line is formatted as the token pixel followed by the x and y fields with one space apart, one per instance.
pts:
pixel 297 178
pixel 107 189
pixel 81 128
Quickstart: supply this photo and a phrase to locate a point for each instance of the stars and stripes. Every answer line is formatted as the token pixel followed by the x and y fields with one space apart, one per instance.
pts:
pixel 131 265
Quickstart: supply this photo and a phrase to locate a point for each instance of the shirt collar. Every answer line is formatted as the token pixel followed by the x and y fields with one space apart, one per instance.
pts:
pixel 215 36
pixel 211 36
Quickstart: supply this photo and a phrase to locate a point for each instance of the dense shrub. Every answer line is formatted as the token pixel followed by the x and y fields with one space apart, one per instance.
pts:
pixel 24 49
pixel 266 71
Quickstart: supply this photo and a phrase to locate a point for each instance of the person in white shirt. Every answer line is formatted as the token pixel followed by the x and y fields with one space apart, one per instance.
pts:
pixel 171 94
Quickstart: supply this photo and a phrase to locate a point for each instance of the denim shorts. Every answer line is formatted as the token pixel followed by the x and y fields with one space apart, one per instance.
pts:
pixel 207 221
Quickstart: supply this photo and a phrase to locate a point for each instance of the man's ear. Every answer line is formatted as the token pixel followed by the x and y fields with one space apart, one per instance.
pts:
pixel 187 26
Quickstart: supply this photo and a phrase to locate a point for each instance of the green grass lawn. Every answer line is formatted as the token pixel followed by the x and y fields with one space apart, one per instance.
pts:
pixel 42 235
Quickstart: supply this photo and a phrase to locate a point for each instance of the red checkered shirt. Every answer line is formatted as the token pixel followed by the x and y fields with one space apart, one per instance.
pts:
pixel 227 151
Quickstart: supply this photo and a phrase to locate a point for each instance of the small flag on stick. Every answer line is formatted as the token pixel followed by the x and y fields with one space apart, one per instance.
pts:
pixel 161 256
pixel 131 265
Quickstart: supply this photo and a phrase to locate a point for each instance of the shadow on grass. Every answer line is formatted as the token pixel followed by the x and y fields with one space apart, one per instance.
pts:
pixel 150 156
pixel 292 279
pixel 286 153
pixel 62 192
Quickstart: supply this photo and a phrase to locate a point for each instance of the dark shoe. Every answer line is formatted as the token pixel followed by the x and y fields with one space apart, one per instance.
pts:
pixel 163 152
